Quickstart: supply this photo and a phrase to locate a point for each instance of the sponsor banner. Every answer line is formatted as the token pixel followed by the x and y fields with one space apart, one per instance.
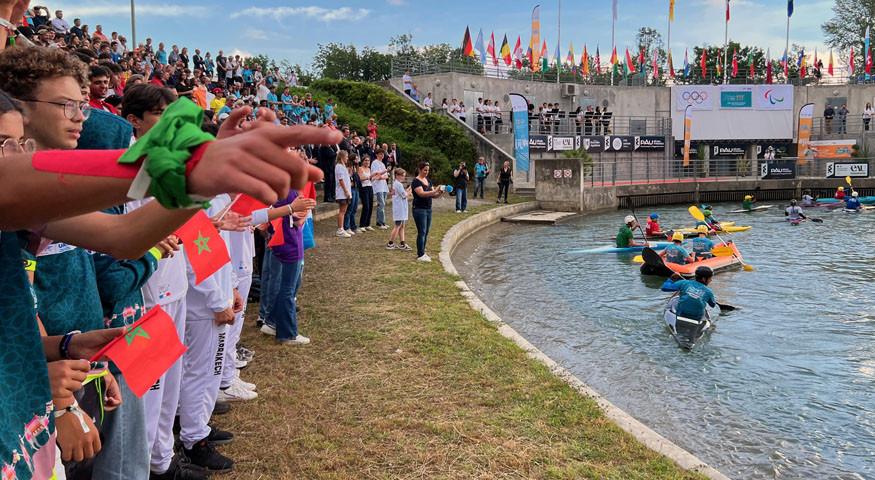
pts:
pixel 521 146
pixel 617 143
pixel 562 143
pixel 593 144
pixel 773 97
pixel 726 150
pixel 698 97
pixel 736 96
pixel 830 149
pixel 778 170
pixel 806 119
pixel 650 143
pixel 538 143
pixel 847 169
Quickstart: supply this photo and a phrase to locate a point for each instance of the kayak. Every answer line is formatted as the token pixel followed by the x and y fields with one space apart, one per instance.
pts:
pixel 654 264
pixel 725 229
pixel 758 208
pixel 864 200
pixel 612 249
pixel 686 331
pixel 795 221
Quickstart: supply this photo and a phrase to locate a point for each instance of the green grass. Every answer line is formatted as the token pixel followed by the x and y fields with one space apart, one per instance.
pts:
pixel 404 380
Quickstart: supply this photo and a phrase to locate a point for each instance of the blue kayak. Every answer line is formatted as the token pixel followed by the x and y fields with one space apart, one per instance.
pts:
pixel 864 200
pixel 612 249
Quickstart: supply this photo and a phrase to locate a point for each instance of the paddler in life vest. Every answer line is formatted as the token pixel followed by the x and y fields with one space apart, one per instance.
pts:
pixel 794 212
pixel 676 253
pixel 710 221
pixel 840 193
pixel 853 203
pixel 807 199
pixel 653 229
pixel 747 204
pixel 702 245
pixel 695 295
pixel 625 238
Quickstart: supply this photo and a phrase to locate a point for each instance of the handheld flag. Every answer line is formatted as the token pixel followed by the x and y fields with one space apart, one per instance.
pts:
pixel 734 63
pixel 481 50
pixel 505 52
pixel 467 46
pixel 204 247
pixel 146 350
pixel 278 237
pixel 245 205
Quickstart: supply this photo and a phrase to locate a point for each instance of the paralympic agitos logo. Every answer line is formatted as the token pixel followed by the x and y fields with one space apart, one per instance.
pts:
pixel 770 97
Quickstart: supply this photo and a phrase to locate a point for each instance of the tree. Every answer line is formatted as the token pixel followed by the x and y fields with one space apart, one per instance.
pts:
pixel 847 27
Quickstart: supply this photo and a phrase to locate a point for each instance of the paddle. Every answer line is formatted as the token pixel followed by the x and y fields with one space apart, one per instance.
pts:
pixel 644 235
pixel 848 179
pixel 699 216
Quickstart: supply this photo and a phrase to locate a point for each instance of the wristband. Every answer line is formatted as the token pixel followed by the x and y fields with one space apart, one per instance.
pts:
pixel 75 410
pixel 291 212
pixel 260 216
pixel 155 252
pixel 64 345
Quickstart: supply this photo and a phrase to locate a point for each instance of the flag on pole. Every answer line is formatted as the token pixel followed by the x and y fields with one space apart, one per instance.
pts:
pixel 490 50
pixel 545 65
pixel 851 63
pixel 703 63
pixel 786 63
pixel 146 350
pixel 789 8
pixel 641 59
pixel 481 50
pixel 556 58
pixel 630 67
pixel 769 77
pixel 868 53
pixel 727 11
pixel 584 62
pixel 467 46
pixel 686 62
pixel 802 67
pixel 734 63
pixel 518 53
pixel 670 10
pixel 614 59
pixel 204 247
pixel 570 59
pixel 671 72
pixel 536 35
pixel 598 60
pixel 829 68
pixel 751 64
pixel 718 64
pixel 655 64
pixel 505 51
pixel 800 58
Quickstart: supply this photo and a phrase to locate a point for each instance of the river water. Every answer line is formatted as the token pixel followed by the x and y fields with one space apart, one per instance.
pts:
pixel 783 388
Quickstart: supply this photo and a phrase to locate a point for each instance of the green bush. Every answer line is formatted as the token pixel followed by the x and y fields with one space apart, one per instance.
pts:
pixel 420 136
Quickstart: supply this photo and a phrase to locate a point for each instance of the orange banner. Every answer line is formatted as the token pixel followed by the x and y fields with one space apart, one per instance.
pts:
pixel 688 134
pixel 806 119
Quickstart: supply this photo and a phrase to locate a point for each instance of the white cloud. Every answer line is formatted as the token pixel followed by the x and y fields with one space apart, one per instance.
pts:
pixel 319 13
pixel 119 9
pixel 255 34
pixel 242 53
pixel 397 3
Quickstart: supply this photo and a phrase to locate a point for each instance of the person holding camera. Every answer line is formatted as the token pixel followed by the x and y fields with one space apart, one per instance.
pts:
pixel 460 184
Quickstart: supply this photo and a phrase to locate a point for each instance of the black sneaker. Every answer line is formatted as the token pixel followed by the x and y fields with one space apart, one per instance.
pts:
pixel 180 471
pixel 219 437
pixel 221 408
pixel 205 455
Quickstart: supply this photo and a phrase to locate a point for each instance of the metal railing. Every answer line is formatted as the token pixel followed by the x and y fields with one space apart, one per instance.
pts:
pixel 852 126
pixel 642 77
pixel 618 169
pixel 567 123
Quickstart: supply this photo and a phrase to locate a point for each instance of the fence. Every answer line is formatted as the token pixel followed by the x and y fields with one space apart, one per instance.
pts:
pixel 841 76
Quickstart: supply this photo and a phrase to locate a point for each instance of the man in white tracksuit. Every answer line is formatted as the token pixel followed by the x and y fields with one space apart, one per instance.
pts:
pixel 242 251
pixel 210 308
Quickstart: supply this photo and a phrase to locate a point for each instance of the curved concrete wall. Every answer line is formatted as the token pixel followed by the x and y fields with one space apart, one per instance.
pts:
pixel 625 421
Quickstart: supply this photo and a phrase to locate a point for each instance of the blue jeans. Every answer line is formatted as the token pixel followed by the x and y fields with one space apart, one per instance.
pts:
pixel 283 313
pixel 349 218
pixel 461 199
pixel 422 218
pixel 480 187
pixel 270 279
pixel 126 451
pixel 381 208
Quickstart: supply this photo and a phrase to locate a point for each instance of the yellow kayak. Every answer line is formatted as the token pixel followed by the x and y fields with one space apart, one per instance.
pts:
pixel 726 229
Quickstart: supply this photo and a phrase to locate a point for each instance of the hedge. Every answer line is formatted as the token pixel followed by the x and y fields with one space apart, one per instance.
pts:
pixel 420 136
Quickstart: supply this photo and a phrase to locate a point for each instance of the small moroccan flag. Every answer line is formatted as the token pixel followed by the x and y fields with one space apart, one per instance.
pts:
pixel 204 247
pixel 278 237
pixel 245 205
pixel 146 350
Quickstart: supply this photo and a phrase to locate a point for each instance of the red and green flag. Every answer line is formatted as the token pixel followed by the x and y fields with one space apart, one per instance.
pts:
pixel 146 350
pixel 204 247
pixel 630 67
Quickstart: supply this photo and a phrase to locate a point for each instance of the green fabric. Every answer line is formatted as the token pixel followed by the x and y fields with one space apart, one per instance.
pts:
pixel 624 237
pixel 168 146
pixel 747 204
pixel 66 287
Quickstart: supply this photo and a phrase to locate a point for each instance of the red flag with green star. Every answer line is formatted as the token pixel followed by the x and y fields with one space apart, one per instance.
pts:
pixel 146 350
pixel 204 247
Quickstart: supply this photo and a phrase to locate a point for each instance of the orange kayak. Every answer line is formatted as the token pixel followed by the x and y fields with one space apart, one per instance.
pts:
pixel 655 265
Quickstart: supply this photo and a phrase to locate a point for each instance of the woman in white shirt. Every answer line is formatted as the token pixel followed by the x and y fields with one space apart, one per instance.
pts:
pixel 342 192
pixel 379 177
pixel 868 112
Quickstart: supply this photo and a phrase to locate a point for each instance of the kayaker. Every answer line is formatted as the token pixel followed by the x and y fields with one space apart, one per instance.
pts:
pixel 747 204
pixel 702 245
pixel 794 212
pixel 676 253
pixel 653 229
pixel 695 295
pixel 709 221
pixel 853 203
pixel 840 193
pixel 625 238
pixel 807 199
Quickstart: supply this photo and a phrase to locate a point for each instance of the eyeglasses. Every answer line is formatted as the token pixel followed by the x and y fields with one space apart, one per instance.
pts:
pixel 71 107
pixel 11 146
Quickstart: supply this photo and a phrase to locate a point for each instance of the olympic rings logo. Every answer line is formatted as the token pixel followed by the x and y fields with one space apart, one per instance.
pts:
pixel 697 97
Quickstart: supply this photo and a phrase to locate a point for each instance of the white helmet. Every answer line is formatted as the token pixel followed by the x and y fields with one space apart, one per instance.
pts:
pixel 629 219
pixel 855 194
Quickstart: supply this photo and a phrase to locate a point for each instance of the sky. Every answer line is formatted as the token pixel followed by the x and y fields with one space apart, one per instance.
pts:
pixel 292 30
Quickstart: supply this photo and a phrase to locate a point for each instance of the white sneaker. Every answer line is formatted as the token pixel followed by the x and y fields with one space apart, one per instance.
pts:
pixel 238 364
pixel 342 234
pixel 404 247
pixel 361 230
pixel 390 246
pixel 268 330
pixel 236 393
pixel 350 232
pixel 424 258
pixel 299 340
pixel 458 211
pixel 370 229
pixel 245 385
pixel 384 227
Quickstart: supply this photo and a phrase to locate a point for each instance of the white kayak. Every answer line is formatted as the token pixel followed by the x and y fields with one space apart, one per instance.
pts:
pixel 687 332
pixel 758 208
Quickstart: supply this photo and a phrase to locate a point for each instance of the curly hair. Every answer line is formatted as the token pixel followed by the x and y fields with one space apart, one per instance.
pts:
pixel 22 68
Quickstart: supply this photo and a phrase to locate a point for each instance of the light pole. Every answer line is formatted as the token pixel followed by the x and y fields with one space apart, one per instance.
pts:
pixel 133 26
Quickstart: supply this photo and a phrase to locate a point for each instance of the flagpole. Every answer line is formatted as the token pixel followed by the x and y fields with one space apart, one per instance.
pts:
pixel 725 46
pixel 613 43
pixel 669 31
pixel 559 39
pixel 787 47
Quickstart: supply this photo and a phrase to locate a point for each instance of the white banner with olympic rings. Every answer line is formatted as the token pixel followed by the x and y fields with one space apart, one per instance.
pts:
pixel 699 97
